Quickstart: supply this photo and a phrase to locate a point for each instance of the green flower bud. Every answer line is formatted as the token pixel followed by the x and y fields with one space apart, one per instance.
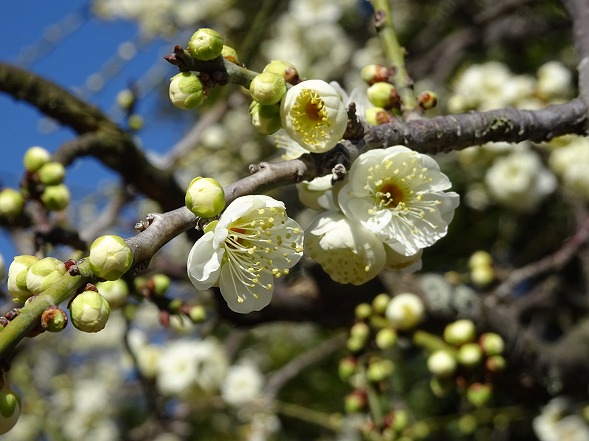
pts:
pixel 89 311
pixel 284 69
pixel 355 343
pixel 386 338
pixel 479 394
pixel 56 197
pixel 11 203
pixel 347 367
pixel 427 100
pixel 197 314
pixel 470 355
pixel 495 363
pixel 355 402
pixel 377 115
pixel 482 275
pixel 161 283
pixel 115 292
pixel 186 90
pixel 380 303
pixel 360 330
pixel 205 44
pixel 35 157
pixel 265 119
pixel 125 99
pixel 374 73
pixel 480 258
pixel 267 88
pixel 379 370
pixel 17 277
pixel 383 95
pixel 363 311
pixel 492 344
pixel 52 173
pixel 400 420
pixel 9 408
pixel 136 122
pixel 54 319
pixel 460 332
pixel 405 311
pixel 230 54
pixel 110 257
pixel 44 273
pixel 441 363
pixel 205 197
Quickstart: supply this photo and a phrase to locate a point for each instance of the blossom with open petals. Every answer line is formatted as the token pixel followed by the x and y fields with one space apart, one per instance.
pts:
pixel 314 115
pixel 398 194
pixel 253 242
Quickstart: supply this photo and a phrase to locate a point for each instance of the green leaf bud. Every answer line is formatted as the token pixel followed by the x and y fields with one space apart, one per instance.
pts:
pixel 186 90
pixel 161 283
pixel 35 157
pixel 492 343
pixel 460 332
pixel 9 408
pixel 470 355
pixel 56 197
pixel 383 95
pixel 110 257
pixel 115 292
pixel 54 319
pixel 205 44
pixel 284 69
pixel 17 277
pixel 267 88
pixel 441 363
pixel 230 54
pixel 265 119
pixel 89 311
pixel 205 197
pixel 44 273
pixel 11 203
pixel 52 173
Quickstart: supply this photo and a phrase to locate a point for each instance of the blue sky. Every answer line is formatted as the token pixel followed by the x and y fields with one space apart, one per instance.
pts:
pixel 24 28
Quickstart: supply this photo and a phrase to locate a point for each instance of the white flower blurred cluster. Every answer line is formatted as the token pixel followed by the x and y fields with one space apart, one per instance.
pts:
pixel 390 206
pixel 242 385
pixel 492 85
pixel 569 159
pixel 557 423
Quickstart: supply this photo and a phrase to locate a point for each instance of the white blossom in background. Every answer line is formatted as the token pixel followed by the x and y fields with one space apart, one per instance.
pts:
pixel 346 251
pixel 555 81
pixel 253 242
pixel 399 195
pixel 570 161
pixel 186 366
pixel 242 384
pixel 556 423
pixel 309 12
pixel 519 180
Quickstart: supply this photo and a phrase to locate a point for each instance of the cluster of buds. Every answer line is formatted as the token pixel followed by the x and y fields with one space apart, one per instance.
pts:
pixel 467 361
pixel 482 272
pixel 29 276
pixel 381 93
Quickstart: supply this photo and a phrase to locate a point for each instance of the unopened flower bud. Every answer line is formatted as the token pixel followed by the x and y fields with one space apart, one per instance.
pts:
pixel 470 355
pixel 495 363
pixel 427 100
pixel 161 283
pixel 89 311
pixel 135 122
pixel 205 197
pixel 11 203
pixel 377 115
pixel 17 277
pixel 360 330
pixel 355 402
pixel 363 311
pixel 197 314
pixel 380 370
pixel 355 343
pixel 110 257
pixel 56 197
pixel 442 363
pixel 115 292
pixel 405 311
pixel 386 338
pixel 230 54
pixel 265 119
pixel 383 95
pixel 186 90
pixel 284 69
pixel 267 88
pixel 52 173
pixel 125 99
pixel 54 319
pixel 35 157
pixel 205 44
pixel 374 73
pixel 482 275
pixel 480 258
pixel 492 344
pixel 459 332
pixel 479 394
pixel 347 367
pixel 380 303
pixel 9 408
pixel 44 273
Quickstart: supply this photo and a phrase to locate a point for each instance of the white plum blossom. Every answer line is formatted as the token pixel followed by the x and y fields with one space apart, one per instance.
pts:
pixel 253 242
pixel 519 180
pixel 346 251
pixel 242 384
pixel 554 81
pixel 557 423
pixel 398 194
pixel 314 115
pixel 571 162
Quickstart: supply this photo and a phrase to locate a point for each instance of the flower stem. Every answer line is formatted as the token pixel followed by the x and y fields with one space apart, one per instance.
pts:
pixel 395 55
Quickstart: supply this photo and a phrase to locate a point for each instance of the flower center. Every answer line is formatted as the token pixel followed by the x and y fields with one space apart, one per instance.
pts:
pixel 309 117
pixel 390 195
